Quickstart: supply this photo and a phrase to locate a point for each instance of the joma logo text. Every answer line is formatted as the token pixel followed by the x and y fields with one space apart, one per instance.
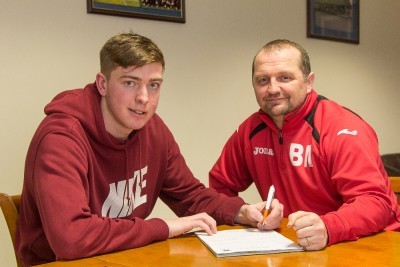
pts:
pixel 263 150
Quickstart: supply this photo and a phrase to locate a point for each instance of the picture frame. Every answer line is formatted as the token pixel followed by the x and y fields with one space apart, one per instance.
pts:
pixel 336 20
pixel 171 10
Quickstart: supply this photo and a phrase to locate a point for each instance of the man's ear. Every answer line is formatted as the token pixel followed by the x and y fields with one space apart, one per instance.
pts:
pixel 101 82
pixel 310 82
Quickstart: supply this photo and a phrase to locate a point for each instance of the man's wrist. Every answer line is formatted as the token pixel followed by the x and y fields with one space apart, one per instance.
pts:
pixel 240 217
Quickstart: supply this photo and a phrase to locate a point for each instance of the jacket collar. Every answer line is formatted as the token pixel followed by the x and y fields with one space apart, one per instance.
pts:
pixel 294 119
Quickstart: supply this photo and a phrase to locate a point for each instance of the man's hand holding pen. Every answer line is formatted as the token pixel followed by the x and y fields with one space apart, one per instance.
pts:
pixel 264 215
pixel 272 213
pixel 274 218
pixel 253 215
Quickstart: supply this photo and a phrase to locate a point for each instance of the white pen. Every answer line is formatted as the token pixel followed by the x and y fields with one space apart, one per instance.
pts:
pixel 270 197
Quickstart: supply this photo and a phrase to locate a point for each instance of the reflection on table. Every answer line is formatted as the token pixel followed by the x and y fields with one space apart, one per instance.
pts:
pixel 382 249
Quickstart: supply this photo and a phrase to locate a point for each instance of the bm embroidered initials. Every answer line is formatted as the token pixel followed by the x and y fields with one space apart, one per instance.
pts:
pixel 298 156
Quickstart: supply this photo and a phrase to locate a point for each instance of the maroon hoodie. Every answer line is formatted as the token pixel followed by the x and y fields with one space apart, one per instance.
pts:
pixel 87 193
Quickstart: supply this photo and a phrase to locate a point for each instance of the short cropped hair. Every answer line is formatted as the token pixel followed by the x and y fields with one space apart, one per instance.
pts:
pixel 128 49
pixel 305 64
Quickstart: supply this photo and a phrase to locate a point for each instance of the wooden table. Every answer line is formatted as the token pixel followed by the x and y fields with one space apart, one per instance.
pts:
pixel 382 249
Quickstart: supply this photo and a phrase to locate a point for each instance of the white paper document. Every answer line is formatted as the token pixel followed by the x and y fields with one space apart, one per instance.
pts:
pixel 248 241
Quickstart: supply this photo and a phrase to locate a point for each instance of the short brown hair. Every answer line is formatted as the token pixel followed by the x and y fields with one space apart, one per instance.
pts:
pixel 128 49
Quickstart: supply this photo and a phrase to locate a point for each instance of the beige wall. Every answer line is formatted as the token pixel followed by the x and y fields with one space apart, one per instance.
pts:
pixel 50 46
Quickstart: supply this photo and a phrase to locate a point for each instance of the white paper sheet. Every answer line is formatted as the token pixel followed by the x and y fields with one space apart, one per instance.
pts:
pixel 248 241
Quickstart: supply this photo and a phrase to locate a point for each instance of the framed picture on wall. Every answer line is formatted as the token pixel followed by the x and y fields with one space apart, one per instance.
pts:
pixel 337 20
pixel 166 10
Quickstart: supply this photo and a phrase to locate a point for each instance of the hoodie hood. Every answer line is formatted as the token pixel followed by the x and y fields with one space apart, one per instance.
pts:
pixel 83 105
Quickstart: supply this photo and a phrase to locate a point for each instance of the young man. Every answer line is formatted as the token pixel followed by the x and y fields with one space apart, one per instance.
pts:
pixel 322 158
pixel 101 158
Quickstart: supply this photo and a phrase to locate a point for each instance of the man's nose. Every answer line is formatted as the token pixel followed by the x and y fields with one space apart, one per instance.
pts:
pixel 273 87
pixel 142 95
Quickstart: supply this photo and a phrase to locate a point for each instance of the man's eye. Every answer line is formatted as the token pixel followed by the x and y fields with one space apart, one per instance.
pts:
pixel 129 83
pixel 154 86
pixel 262 81
pixel 132 84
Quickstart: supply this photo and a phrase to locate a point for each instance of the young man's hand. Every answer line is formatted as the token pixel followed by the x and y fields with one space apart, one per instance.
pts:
pixel 184 224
